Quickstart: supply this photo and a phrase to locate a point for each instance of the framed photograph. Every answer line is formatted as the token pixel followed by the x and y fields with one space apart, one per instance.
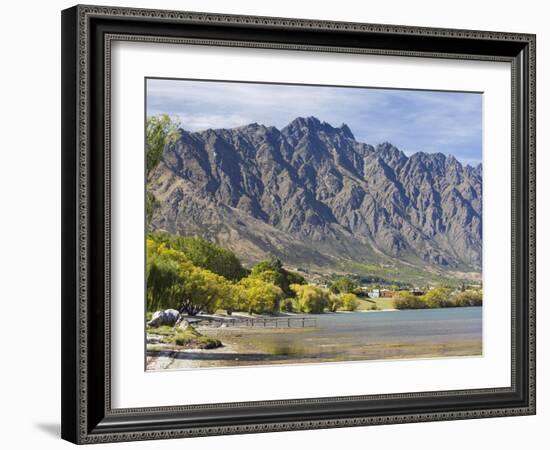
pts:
pixel 279 224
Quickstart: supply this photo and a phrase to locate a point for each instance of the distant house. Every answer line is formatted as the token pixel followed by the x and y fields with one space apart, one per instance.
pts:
pixel 386 293
pixel 375 293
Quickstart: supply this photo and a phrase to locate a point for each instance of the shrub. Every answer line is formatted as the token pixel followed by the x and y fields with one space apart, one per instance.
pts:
pixel 439 297
pixel 468 298
pixel 406 300
pixel 311 299
pixel 287 305
pixel 349 302
pixel 334 302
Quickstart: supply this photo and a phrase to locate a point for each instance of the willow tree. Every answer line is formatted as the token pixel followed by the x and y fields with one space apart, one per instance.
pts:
pixel 163 277
pixel 204 254
pixel 175 282
pixel 161 130
pixel 202 291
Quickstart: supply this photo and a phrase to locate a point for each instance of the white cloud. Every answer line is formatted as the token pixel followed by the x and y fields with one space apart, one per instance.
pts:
pixel 412 120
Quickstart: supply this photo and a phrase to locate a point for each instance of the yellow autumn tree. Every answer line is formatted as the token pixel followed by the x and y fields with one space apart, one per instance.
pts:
pixel 174 282
pixel 258 296
pixel 350 302
pixel 311 299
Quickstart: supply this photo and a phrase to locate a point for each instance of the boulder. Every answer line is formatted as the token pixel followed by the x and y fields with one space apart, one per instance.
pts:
pixel 167 317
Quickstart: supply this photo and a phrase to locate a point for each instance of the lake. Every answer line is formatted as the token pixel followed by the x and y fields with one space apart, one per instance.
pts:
pixel 411 325
pixel 352 336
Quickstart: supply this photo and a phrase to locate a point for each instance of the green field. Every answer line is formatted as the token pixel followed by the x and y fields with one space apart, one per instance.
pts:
pixel 381 303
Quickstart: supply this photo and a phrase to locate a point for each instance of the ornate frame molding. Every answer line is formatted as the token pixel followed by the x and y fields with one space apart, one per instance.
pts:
pixel 80 423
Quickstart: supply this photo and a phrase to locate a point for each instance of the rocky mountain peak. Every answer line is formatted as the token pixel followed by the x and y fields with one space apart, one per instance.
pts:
pixel 301 125
pixel 312 125
pixel 311 194
pixel 345 130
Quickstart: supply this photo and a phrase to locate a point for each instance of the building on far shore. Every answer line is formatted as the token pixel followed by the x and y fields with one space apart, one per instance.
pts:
pixel 390 293
pixel 382 293
pixel 387 293
pixel 375 293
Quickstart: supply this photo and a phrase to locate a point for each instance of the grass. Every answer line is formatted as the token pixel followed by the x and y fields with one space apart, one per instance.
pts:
pixel 192 340
pixel 164 330
pixel 385 303
pixel 189 338
pixel 365 305
pixel 375 304
pixel 155 348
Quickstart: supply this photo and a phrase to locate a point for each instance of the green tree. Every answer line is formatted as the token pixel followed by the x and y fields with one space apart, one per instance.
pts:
pixel 174 282
pixel 287 305
pixel 161 130
pixel 203 291
pixel 439 297
pixel 349 301
pixel 163 277
pixel 311 299
pixel 343 285
pixel 334 302
pixel 271 263
pixel 406 300
pixel 204 254
pixel 272 270
pixel 258 296
pixel 293 278
pixel 269 276
pixel 468 298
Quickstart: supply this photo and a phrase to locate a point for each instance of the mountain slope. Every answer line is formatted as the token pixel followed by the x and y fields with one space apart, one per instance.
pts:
pixel 312 195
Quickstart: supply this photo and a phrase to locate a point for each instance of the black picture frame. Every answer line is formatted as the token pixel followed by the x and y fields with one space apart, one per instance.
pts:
pixel 87 415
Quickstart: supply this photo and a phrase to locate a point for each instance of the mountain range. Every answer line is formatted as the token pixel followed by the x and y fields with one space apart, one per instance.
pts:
pixel 314 196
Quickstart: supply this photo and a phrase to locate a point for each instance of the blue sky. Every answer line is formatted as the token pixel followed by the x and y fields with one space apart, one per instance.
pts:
pixel 428 121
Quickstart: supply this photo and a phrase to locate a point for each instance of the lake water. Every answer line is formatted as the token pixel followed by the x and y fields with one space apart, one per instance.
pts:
pixel 353 336
pixel 361 336
pixel 445 324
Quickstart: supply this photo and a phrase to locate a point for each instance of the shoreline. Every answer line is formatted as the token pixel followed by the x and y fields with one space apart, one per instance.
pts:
pixel 336 339
pixel 231 355
pixel 244 315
